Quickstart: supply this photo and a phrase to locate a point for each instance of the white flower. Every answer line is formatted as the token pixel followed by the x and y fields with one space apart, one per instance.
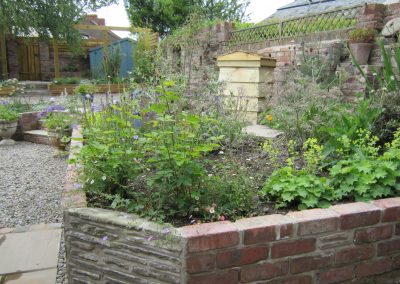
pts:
pixel 103 177
pixel 210 175
pixel 52 99
pixel 92 181
pixel 374 74
pixel 221 152
pixel 392 78
pixel 212 210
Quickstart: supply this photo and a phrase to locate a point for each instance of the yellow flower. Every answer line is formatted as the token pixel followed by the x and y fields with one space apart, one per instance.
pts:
pixel 268 117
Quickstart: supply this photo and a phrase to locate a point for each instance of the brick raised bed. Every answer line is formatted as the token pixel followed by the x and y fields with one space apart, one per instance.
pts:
pixel 56 90
pixel 349 243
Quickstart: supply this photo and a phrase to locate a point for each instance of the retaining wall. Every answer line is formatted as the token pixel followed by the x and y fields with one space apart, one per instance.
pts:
pixel 357 243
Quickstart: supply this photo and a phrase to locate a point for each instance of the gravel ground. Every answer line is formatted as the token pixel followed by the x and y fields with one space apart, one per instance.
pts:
pixel 31 183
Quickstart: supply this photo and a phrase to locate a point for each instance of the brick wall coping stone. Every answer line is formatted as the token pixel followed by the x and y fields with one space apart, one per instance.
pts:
pixel 259 229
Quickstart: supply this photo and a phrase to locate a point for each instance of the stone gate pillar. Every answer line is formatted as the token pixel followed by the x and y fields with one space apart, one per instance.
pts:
pixel 249 80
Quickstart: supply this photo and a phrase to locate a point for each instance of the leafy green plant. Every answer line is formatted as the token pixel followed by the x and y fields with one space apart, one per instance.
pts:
pixel 301 186
pixel 59 121
pixel 8 114
pixel 84 89
pixel 364 175
pixel 288 186
pixel 347 120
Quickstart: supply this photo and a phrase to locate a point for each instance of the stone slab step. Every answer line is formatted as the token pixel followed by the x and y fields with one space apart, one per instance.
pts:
pixel 37 136
pixel 29 254
pixel 262 131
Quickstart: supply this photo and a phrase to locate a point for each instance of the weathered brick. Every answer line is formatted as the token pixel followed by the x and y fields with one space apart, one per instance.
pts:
pixel 397 230
pixel 263 271
pixel 374 267
pixel 336 275
pixel 315 221
pixel 308 263
pixel 388 247
pixel 354 254
pixel 357 214
pixel 334 240
pixel 396 262
pixel 287 248
pixel 244 256
pixel 299 279
pixel 391 209
pixel 231 276
pixel 210 236
pixel 373 234
pixel 263 229
pixel 200 263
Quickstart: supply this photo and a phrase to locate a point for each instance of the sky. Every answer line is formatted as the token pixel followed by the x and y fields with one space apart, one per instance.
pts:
pixel 115 15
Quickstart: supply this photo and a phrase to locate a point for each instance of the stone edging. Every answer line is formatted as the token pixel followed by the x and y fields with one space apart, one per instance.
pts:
pixel 73 195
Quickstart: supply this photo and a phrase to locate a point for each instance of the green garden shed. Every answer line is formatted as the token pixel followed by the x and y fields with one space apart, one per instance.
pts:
pixel 121 51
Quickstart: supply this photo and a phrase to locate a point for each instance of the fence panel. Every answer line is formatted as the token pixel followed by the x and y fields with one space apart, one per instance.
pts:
pixel 327 21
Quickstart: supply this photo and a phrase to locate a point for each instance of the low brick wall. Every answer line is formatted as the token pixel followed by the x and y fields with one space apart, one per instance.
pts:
pixel 27 121
pixel 357 243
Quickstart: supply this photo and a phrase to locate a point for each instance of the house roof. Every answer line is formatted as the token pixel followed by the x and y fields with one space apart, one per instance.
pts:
pixel 301 8
pixel 92 19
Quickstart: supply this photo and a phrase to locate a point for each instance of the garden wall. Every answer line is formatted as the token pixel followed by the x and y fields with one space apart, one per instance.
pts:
pixel 214 41
pixel 357 243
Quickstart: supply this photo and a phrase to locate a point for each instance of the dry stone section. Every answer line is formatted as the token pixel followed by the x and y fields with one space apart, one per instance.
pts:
pixel 110 247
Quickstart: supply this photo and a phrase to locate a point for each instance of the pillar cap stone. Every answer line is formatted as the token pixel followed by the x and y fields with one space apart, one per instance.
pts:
pixel 245 59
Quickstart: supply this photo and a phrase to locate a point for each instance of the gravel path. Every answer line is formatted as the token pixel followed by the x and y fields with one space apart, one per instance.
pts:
pixel 31 183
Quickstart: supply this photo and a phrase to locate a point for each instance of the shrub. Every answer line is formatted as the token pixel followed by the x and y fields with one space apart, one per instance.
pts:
pixel 146 155
pixel 365 35
pixel 85 89
pixel 303 105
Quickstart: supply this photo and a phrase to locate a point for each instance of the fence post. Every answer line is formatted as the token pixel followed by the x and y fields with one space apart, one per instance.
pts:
pixel 3 54
pixel 280 29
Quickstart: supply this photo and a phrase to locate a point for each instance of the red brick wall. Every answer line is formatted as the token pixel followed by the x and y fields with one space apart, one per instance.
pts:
pixel 350 243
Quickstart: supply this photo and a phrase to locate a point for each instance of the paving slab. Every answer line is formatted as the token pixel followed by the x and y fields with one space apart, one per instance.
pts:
pixel 262 131
pixel 47 276
pixel 29 251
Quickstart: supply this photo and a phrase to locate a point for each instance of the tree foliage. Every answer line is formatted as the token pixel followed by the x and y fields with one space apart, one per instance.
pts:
pixel 46 18
pixel 164 16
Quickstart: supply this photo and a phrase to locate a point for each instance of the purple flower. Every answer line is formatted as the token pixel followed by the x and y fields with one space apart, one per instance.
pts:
pixel 135 137
pixel 105 238
pixel 137 123
pixel 95 108
pixel 151 238
pixel 77 185
pixel 75 126
pixel 5 103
